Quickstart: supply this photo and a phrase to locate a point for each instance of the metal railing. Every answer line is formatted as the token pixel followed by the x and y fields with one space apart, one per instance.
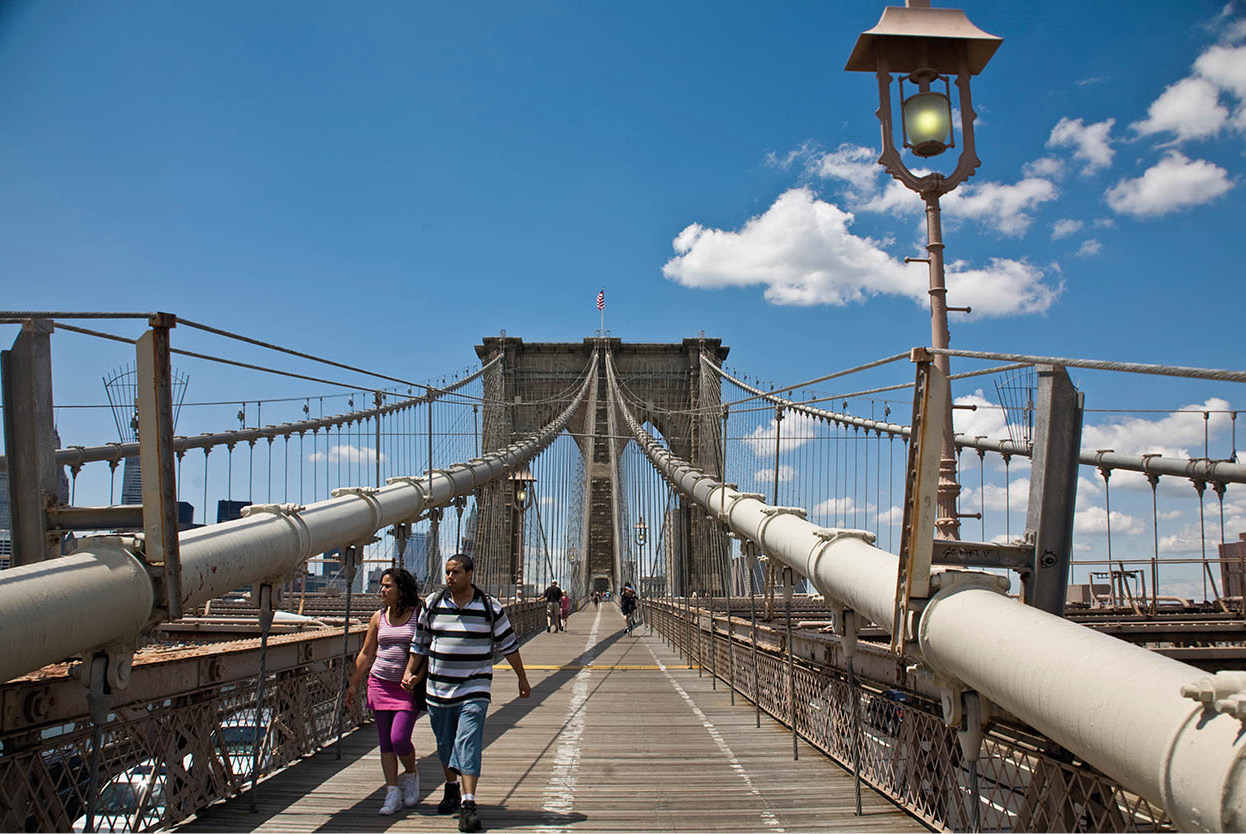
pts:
pixel 180 736
pixel 907 751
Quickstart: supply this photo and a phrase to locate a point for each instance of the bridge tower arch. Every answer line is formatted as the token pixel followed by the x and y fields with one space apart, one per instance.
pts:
pixel 522 393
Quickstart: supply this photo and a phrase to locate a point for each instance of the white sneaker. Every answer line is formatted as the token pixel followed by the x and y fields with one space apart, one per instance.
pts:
pixel 393 801
pixel 410 784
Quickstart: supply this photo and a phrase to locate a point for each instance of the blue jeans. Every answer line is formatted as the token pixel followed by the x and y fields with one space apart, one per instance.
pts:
pixel 460 733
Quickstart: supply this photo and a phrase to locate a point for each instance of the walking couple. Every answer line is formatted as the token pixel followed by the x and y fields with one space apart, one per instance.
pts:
pixel 443 647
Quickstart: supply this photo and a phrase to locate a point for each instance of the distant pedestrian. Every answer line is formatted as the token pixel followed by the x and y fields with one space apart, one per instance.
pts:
pixel 553 607
pixel 385 649
pixel 627 604
pixel 565 610
pixel 456 634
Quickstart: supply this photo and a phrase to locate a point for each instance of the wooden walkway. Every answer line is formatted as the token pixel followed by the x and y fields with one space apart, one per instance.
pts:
pixel 617 736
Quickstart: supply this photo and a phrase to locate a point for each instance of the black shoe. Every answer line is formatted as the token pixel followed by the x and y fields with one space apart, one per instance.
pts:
pixel 468 821
pixel 450 801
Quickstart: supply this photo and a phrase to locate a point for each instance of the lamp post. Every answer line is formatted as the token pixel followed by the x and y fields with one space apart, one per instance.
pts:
pixel 926 47
pixel 522 483
pixel 641 535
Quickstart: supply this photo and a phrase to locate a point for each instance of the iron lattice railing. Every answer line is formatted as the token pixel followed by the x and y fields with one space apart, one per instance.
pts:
pixel 165 757
pixel 907 752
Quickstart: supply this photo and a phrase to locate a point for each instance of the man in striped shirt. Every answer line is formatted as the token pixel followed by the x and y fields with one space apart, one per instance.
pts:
pixel 456 634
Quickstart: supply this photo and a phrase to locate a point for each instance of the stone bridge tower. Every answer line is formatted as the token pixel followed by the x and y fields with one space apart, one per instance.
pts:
pixel 667 378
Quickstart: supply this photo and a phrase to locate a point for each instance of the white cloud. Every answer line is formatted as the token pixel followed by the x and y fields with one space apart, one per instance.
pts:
pixel 854 164
pixel 347 453
pixel 802 251
pixel 987 420
pixel 1174 183
pixel 1173 435
pixel 798 429
pixel 1089 247
pixel 1004 288
pixel 1004 208
pixel 996 497
pixel 1065 227
pixel 1225 67
pixel 1091 143
pixel 1086 82
pixel 1189 109
pixel 1093 521
pixel 835 507
pixel 1044 166
pixel 786 473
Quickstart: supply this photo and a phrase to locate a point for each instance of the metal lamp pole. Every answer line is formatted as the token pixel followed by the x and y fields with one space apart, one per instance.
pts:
pixel 926 47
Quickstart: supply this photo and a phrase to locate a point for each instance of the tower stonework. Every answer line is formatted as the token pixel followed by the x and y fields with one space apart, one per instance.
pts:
pixel 528 388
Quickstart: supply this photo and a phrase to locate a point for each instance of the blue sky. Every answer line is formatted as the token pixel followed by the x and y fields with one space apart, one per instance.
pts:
pixel 386 183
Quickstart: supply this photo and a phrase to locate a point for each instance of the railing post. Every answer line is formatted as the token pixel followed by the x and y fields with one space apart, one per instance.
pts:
pixel 789 583
pixel 1053 488
pixel 848 627
pixel 29 441
pixel 156 458
pixel 350 555
pixel 261 726
pixel 750 553
pixel 930 402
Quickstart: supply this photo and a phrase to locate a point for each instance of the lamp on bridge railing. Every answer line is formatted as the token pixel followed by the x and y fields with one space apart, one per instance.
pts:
pixel 927 47
pixel 522 483
pixel 641 531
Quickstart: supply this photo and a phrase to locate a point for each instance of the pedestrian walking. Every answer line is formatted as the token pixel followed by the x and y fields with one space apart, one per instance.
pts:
pixel 384 652
pixel 456 635
pixel 564 609
pixel 553 607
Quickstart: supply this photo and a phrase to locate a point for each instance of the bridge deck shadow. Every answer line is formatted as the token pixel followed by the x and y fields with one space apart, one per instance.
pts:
pixel 608 741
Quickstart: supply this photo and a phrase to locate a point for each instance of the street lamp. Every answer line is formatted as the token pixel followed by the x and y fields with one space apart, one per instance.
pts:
pixel 926 47
pixel 640 532
pixel 522 483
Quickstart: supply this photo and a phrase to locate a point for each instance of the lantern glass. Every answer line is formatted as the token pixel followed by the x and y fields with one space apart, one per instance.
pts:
pixel 521 495
pixel 928 123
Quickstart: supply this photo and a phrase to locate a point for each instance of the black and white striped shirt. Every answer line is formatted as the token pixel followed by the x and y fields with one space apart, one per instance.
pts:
pixel 459 648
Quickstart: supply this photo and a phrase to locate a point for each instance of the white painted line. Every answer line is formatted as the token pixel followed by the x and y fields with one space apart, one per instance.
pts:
pixel 767 815
pixel 559 793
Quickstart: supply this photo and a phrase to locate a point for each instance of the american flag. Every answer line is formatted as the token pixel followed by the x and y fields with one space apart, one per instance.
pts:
pixel 601 300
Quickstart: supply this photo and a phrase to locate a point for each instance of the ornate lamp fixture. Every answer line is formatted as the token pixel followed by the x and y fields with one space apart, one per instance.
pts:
pixel 927 47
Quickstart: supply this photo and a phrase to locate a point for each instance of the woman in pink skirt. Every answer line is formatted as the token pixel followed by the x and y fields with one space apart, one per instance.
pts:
pixel 385 648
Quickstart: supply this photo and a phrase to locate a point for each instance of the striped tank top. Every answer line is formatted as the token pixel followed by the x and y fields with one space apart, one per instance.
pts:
pixel 393 644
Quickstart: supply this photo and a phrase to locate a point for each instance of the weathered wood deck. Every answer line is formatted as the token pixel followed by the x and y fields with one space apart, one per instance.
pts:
pixel 617 736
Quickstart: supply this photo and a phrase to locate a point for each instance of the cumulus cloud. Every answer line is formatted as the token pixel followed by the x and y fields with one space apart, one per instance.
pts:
pixel 1172 184
pixel 1065 227
pixel 1091 143
pixel 1093 520
pixel 1044 166
pixel 1089 247
pixel 1002 207
pixel 986 420
pixel 1005 208
pixel 801 250
pixel 1189 109
pixel 347 453
pixel 798 429
pixel 786 473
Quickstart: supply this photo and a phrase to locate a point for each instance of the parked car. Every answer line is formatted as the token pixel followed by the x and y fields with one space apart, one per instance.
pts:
pixel 133 799
pixel 237 733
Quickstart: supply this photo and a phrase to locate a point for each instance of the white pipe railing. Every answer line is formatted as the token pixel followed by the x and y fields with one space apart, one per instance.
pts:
pixel 102 594
pixel 1118 706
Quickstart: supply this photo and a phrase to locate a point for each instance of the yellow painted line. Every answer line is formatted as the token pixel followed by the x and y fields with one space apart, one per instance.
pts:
pixel 569 668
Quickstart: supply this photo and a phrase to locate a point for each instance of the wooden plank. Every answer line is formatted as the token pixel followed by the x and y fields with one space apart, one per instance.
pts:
pixel 620 735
